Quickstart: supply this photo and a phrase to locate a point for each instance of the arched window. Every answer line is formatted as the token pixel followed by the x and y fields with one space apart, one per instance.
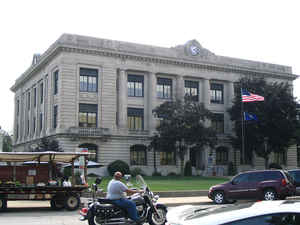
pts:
pixel 221 156
pixel 92 148
pixel 138 155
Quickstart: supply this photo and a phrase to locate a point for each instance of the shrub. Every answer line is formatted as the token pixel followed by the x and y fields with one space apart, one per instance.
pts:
pixel 274 166
pixel 158 174
pixel 231 168
pixel 92 175
pixel 188 169
pixel 136 171
pixel 67 172
pixel 172 174
pixel 118 165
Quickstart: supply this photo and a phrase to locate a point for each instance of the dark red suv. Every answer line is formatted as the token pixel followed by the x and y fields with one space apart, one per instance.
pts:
pixel 265 185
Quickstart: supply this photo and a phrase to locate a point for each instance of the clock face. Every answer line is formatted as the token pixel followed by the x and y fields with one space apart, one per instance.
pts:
pixel 194 50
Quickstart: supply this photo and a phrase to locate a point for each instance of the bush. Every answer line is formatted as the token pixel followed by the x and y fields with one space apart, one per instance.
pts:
pixel 118 165
pixel 274 166
pixel 188 169
pixel 67 172
pixel 136 171
pixel 92 175
pixel 231 168
pixel 158 174
pixel 172 174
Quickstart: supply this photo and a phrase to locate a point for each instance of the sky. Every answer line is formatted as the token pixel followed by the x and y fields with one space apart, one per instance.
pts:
pixel 259 30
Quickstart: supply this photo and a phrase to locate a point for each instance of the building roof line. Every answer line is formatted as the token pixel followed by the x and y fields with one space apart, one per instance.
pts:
pixel 61 45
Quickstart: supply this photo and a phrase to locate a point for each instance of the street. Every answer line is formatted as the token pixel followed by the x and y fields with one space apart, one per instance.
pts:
pixel 40 213
pixel 39 216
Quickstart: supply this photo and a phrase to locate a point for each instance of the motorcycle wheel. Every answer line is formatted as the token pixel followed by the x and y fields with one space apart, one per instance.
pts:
pixel 92 220
pixel 153 219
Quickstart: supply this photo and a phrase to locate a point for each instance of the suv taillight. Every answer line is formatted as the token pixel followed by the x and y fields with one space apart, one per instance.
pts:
pixel 283 182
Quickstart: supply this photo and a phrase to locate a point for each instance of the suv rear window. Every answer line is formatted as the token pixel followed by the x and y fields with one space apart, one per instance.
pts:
pixel 273 175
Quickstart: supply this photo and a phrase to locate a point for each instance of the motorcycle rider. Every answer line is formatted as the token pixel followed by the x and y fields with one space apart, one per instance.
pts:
pixel 115 192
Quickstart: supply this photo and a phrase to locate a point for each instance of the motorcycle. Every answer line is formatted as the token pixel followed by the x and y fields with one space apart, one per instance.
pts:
pixel 101 211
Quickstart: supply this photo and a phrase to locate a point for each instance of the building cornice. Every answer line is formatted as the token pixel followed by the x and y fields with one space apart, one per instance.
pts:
pixel 189 62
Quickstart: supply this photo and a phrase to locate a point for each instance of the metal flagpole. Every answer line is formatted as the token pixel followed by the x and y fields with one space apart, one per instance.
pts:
pixel 243 129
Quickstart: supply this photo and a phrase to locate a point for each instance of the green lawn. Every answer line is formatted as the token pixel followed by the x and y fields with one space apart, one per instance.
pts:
pixel 173 183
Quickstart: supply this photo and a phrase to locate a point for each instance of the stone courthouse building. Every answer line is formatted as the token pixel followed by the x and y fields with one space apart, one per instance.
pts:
pixel 99 94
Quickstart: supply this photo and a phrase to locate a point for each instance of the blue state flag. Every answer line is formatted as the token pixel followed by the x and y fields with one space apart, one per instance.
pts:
pixel 249 117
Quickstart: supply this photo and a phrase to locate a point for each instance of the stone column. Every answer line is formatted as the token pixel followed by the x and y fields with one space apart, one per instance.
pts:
pixel 48 107
pixel 122 99
pixel 206 93
pixel 152 101
pixel 22 116
pixel 180 87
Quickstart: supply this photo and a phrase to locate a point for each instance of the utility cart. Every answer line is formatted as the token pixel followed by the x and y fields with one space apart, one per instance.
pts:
pixel 34 176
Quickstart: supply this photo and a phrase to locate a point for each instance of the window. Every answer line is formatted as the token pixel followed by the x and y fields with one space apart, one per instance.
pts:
pixel 28 100
pixel 217 123
pixel 167 158
pixel 33 125
pixel 216 93
pixel 135 86
pixel 88 80
pixel 55 91
pixel 280 157
pixel 34 97
pixel 135 119
pixel 55 116
pixel 164 88
pixel 28 127
pixel 92 148
pixel 41 122
pixel 17 132
pixel 191 88
pixel 242 178
pixel 41 93
pixel 138 155
pixel 88 115
pixel 221 156
pixel 298 155
pixel 273 175
pixel 18 107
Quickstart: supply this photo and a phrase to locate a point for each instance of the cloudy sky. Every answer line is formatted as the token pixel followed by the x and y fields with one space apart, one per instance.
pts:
pixel 261 30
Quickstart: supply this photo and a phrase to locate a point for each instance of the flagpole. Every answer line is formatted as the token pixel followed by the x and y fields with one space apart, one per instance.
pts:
pixel 243 129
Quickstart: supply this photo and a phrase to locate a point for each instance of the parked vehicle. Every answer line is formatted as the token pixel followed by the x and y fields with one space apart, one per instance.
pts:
pixel 295 174
pixel 279 212
pixel 20 180
pixel 102 211
pixel 264 185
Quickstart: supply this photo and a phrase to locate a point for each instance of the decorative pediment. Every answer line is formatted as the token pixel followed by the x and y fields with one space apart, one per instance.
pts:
pixel 194 48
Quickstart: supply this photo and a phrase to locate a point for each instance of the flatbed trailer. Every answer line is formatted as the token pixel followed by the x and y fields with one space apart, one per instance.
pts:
pixel 59 196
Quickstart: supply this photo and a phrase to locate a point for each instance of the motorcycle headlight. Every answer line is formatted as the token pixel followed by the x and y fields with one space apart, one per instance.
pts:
pixel 156 197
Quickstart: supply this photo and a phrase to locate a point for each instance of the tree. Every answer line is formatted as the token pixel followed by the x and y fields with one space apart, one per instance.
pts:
pixel 182 126
pixel 276 125
pixel 7 143
pixel 48 144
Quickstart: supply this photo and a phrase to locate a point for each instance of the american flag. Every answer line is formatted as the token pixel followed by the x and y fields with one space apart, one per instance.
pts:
pixel 249 97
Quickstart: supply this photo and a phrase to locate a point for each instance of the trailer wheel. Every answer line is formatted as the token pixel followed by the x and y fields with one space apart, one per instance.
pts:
pixel 72 202
pixel 57 203
pixel 3 204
